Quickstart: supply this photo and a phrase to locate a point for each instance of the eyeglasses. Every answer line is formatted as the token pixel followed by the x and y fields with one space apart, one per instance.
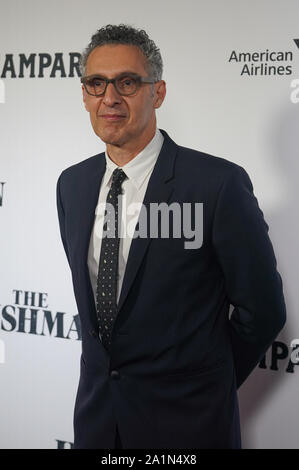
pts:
pixel 125 84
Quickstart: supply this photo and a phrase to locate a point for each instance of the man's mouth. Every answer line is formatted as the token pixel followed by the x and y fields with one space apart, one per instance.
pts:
pixel 112 117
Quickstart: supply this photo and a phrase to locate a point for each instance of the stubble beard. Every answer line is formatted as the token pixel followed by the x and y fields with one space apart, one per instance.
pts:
pixel 110 136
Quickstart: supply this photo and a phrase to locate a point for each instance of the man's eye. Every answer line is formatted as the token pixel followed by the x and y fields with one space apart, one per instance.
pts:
pixel 97 82
pixel 127 82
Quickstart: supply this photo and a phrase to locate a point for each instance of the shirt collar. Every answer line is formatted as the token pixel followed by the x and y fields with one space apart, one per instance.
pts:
pixel 139 167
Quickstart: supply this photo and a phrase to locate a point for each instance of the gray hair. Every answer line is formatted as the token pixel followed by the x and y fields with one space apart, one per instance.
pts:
pixel 125 34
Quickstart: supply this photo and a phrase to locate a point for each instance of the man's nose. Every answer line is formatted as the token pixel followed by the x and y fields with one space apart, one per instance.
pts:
pixel 111 95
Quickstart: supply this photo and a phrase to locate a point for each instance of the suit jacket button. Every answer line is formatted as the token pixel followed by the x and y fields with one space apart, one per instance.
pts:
pixel 114 374
pixel 93 333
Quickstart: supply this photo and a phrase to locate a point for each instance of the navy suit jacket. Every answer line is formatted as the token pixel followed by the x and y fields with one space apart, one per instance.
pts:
pixel 177 356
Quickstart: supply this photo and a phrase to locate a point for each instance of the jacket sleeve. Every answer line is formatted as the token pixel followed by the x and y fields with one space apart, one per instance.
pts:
pixel 253 285
pixel 61 216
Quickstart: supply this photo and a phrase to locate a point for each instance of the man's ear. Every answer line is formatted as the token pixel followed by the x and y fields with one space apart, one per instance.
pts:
pixel 160 93
pixel 84 98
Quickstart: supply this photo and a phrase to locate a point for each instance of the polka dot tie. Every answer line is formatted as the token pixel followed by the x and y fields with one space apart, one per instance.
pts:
pixel 108 264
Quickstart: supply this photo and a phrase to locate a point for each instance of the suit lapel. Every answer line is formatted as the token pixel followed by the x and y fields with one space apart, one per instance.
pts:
pixel 90 193
pixel 159 189
pixel 91 183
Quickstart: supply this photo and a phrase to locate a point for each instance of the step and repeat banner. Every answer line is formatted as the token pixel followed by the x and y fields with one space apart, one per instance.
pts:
pixel 232 75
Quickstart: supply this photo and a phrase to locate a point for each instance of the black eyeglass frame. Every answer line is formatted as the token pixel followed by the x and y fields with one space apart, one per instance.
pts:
pixel 139 81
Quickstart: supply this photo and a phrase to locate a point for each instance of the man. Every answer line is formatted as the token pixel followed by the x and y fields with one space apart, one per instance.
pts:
pixel 161 356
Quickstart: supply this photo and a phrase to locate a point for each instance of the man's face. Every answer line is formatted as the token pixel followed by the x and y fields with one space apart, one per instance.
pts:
pixel 123 121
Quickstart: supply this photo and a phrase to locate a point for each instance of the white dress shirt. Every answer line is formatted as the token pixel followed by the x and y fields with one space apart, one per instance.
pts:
pixel 138 171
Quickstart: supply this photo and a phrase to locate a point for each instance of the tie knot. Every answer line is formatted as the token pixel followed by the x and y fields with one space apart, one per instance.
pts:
pixel 118 176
